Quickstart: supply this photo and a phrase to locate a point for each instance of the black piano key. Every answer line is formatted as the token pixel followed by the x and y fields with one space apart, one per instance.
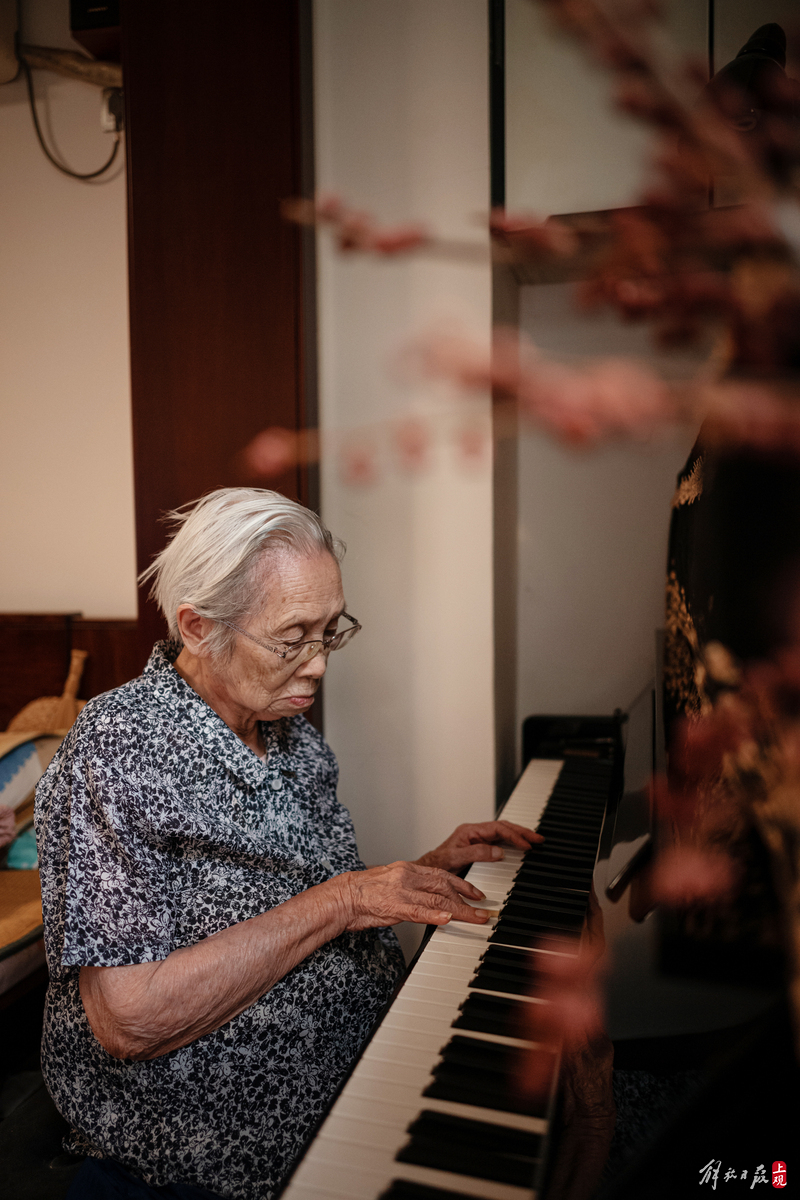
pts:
pixel 528 938
pixel 502 970
pixel 572 900
pixel 542 909
pixel 463 1131
pixel 562 852
pixel 484 1089
pixel 509 957
pixel 548 894
pixel 502 981
pixel 498 972
pixel 557 845
pixel 576 878
pixel 475 1148
pixel 556 833
pixel 576 811
pixel 404 1189
pixel 575 800
pixel 540 925
pixel 578 787
pixel 501 953
pixel 563 873
pixel 574 881
pixel 581 827
pixel 519 981
pixel 490 1014
pixel 460 1086
pixel 470 1052
pixel 578 783
pixel 542 914
pixel 550 914
pixel 507 963
pixel 566 845
pixel 555 926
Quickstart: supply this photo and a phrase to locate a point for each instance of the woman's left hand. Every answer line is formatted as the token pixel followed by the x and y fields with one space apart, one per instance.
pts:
pixel 477 843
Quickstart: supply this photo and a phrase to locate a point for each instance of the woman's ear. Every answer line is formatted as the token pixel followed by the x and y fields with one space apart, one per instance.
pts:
pixel 193 629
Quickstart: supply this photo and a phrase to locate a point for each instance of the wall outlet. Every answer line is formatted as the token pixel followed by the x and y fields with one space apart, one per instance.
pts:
pixel 112 112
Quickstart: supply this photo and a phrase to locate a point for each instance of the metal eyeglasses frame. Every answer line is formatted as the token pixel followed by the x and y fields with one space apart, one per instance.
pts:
pixel 294 650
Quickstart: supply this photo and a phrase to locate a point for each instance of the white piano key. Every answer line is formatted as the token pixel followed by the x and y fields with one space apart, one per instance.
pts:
pixel 477 932
pixel 377 1090
pixel 393 1075
pixel 509 996
pixel 492 873
pixel 411 1021
pixel 338 1151
pixel 428 989
pixel 373 1133
pixel 358 1183
pixel 352 1158
pixel 422 1010
pixel 430 964
pixel 390 1035
pixel 340 1154
pixel 391 1043
pixel 452 939
pixel 386 1110
pixel 391 1054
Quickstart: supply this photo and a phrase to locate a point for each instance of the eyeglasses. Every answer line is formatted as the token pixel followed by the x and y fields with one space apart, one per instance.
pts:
pixel 301 652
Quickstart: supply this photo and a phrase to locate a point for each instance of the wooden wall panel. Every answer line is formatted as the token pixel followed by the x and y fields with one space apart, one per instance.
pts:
pixel 35 651
pixel 113 654
pixel 213 99
pixel 34 658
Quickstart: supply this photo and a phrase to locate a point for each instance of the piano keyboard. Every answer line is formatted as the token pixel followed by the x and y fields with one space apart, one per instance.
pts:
pixel 430 1111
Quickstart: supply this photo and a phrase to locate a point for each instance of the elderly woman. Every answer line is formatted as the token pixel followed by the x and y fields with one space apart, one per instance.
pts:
pixel 217 950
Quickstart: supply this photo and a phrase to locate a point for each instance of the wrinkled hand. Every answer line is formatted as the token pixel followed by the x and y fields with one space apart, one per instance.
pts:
pixel 476 843
pixel 406 891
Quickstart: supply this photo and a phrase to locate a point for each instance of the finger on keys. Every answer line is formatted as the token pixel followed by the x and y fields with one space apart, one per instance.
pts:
pixel 437 876
pixel 518 835
pixel 455 910
pixel 502 831
pixel 451 888
pixel 467 889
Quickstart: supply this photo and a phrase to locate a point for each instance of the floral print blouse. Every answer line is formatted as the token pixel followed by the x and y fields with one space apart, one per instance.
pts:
pixel 157 827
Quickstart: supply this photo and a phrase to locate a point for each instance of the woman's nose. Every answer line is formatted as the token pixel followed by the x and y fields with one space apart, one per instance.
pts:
pixel 315 667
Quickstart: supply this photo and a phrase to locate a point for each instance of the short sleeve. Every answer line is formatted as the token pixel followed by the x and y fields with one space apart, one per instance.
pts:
pixel 119 908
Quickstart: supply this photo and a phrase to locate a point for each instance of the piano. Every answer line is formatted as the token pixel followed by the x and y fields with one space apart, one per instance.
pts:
pixel 430 1110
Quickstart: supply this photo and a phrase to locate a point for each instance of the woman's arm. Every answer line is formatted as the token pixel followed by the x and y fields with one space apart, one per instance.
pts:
pixel 147 1009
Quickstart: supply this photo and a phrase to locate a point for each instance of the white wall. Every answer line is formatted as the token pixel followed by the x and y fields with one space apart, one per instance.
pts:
pixel 593 530
pixel 592 524
pixel 66 483
pixel 568 148
pixel 402 129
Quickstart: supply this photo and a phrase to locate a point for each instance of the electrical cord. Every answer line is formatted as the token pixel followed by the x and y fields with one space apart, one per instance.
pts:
pixel 43 144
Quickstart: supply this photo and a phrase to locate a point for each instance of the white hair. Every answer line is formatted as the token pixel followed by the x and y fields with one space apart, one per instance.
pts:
pixel 215 557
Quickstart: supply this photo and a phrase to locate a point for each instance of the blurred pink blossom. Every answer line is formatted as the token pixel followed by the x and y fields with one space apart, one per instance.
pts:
pixel 358 464
pixel 529 237
pixel 608 398
pixel 356 230
pixel 271 452
pixel 684 875
pixel 412 441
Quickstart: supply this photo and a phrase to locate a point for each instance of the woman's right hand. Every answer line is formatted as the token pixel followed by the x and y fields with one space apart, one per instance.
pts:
pixel 406 891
